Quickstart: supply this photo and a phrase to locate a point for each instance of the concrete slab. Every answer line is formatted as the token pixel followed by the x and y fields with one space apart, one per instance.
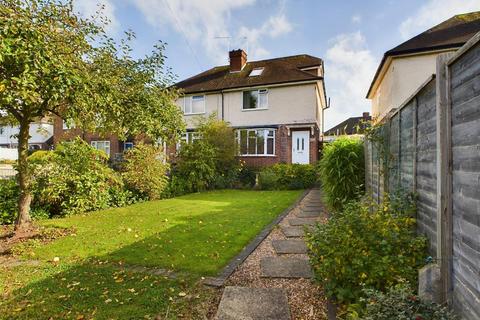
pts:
pixel 308 214
pixel 239 303
pixel 293 232
pixel 289 246
pixel 276 267
pixel 302 221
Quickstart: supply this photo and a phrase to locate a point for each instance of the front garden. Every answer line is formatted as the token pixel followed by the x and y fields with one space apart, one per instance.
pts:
pixel 90 271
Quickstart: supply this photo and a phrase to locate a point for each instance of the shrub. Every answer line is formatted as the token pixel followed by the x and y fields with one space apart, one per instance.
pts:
pixel 401 303
pixel 219 135
pixel 72 179
pixel 246 177
pixel 144 171
pixel 342 171
pixel 287 176
pixel 8 200
pixel 196 166
pixel 366 246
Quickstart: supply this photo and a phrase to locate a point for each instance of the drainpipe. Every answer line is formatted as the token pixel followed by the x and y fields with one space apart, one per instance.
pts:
pixel 223 106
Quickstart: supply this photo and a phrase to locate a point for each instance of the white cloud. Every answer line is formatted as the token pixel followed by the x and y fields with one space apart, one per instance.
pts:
pixel 356 18
pixel 274 27
pixel 434 12
pixel 89 8
pixel 349 68
pixel 201 21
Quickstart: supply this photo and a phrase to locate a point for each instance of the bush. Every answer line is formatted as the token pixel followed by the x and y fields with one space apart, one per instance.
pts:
pixel 144 171
pixel 72 179
pixel 246 177
pixel 342 171
pixel 196 166
pixel 287 177
pixel 366 246
pixel 400 303
pixel 8 200
pixel 219 135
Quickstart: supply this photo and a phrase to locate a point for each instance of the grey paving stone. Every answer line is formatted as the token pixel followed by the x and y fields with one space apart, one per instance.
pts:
pixel 302 221
pixel 289 246
pixel 308 214
pixel 277 267
pixel 239 303
pixel 293 232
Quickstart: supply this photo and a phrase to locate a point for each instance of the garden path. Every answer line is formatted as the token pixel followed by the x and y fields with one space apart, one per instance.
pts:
pixel 274 282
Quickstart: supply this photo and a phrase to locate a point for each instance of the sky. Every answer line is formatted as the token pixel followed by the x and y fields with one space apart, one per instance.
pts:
pixel 350 35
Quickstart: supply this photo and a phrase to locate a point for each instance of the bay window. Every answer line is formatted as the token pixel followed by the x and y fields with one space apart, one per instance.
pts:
pixel 256 142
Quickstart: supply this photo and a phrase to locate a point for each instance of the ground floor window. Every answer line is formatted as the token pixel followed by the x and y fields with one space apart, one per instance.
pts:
pixel 101 145
pixel 256 142
pixel 127 145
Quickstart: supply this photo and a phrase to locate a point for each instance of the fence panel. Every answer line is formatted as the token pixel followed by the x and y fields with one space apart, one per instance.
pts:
pixel 465 121
pixel 426 164
pixel 406 148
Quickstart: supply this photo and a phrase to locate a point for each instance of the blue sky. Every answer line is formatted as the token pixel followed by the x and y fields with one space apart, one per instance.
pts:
pixel 350 36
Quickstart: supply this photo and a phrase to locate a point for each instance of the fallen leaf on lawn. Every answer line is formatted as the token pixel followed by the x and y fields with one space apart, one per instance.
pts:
pixel 108 300
pixel 182 294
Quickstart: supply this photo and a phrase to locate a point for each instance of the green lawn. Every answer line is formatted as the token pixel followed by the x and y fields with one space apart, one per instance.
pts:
pixel 194 236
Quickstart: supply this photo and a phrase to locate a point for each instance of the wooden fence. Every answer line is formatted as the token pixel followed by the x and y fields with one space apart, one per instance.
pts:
pixel 431 146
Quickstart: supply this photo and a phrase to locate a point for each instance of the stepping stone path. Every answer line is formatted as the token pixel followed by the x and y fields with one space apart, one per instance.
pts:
pixel 275 267
pixel 303 222
pixel 253 303
pixel 272 303
pixel 289 246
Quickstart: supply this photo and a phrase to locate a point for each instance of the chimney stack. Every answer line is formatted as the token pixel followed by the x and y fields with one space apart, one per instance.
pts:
pixel 238 59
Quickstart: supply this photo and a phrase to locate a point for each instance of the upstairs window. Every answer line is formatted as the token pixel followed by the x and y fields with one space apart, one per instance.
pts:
pixel 255 99
pixel 256 72
pixel 194 105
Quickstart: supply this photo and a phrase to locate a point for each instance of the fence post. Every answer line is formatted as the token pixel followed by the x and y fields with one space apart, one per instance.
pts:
pixel 444 213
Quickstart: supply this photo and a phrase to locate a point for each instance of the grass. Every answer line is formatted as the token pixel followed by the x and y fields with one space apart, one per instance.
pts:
pixel 194 236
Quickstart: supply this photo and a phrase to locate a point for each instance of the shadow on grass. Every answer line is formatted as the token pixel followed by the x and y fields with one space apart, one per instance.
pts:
pixel 195 246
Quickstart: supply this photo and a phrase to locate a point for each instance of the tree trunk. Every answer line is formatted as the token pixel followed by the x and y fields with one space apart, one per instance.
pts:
pixel 331 309
pixel 25 198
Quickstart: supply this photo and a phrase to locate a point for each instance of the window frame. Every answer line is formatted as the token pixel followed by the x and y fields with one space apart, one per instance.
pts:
pixel 265 136
pixel 127 143
pixel 259 71
pixel 189 100
pixel 258 92
pixel 94 144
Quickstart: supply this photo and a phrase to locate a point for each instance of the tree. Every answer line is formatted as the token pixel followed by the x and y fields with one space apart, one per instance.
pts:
pixel 55 63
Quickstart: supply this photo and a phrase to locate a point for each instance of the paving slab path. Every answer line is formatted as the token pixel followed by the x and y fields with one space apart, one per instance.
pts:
pixel 274 282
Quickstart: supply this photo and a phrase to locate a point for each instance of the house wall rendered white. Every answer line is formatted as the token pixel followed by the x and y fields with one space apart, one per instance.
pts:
pixel 402 76
pixel 289 104
pixel 39 133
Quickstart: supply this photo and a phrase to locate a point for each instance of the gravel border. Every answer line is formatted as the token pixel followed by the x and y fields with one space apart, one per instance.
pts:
pixel 304 296
pixel 220 280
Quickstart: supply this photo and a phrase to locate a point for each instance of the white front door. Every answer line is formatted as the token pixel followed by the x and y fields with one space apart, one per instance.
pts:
pixel 301 147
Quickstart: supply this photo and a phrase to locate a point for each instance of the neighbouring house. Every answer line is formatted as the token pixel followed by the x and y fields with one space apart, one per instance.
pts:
pixel 41 136
pixel 110 143
pixel 354 126
pixel 275 105
pixel 407 66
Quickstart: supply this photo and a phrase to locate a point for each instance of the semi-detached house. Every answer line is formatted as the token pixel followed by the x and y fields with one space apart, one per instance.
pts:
pixel 275 105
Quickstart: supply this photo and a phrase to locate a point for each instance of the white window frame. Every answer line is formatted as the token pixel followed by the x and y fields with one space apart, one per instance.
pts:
pixel 188 104
pixel 258 91
pixel 265 131
pixel 95 143
pixel 187 138
pixel 256 72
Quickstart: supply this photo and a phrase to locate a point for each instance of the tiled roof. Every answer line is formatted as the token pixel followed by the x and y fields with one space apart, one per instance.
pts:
pixel 452 33
pixel 354 125
pixel 276 71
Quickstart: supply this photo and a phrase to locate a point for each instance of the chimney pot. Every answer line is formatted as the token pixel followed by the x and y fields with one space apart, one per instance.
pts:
pixel 238 59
